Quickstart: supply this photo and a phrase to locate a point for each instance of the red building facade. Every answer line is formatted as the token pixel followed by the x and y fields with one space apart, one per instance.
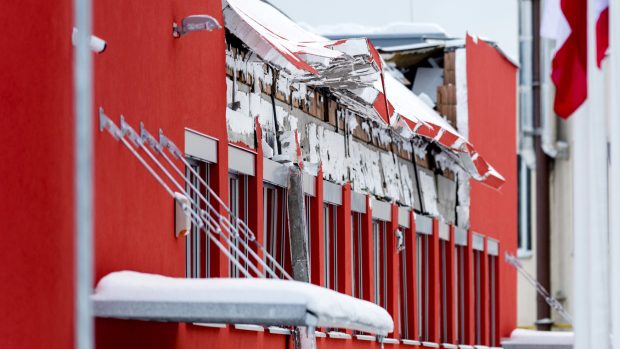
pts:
pixel 176 84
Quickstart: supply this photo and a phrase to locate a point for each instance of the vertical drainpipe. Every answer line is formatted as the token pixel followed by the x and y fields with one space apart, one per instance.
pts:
pixel 543 312
pixel 82 97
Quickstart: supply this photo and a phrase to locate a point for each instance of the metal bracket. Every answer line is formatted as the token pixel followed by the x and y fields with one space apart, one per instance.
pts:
pixel 105 123
pixel 167 143
pixel 126 129
pixel 149 139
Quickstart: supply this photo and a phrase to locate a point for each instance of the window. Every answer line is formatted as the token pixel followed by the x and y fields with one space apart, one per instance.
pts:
pixel 200 260
pixel 407 287
pixel 422 284
pixel 330 239
pixel 307 205
pixel 443 265
pixel 525 210
pixel 460 282
pixel 238 191
pixel 357 255
pixel 478 295
pixel 380 256
pixel 275 221
pixel 493 298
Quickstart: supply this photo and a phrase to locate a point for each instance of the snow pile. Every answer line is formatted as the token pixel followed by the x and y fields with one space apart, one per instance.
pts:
pixel 520 336
pixel 332 309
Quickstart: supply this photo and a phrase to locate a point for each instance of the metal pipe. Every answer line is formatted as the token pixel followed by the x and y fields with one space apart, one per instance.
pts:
pixel 82 97
pixel 614 189
pixel 597 186
pixel 543 243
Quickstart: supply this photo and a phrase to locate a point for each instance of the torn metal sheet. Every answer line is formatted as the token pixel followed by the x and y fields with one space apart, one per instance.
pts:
pixel 428 186
pixel 446 199
pixel 391 176
pixel 328 147
pixel 365 169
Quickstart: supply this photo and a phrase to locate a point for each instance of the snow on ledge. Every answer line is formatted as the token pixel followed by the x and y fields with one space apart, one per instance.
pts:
pixel 134 295
pixel 520 336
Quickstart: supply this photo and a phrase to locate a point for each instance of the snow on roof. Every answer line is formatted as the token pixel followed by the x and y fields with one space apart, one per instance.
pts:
pixel 134 295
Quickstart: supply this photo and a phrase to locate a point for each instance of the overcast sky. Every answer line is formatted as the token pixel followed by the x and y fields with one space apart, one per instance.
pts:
pixel 493 19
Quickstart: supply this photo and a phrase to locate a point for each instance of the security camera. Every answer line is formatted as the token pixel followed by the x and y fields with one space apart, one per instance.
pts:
pixel 96 44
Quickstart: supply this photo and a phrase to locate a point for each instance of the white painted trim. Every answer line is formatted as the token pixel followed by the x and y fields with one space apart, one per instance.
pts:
pixel 449 346
pixel 255 328
pixel 390 341
pixel 410 342
pixel 319 334
pixel 465 346
pixel 365 337
pixel 279 330
pixel 430 345
pixel 209 324
pixel 339 335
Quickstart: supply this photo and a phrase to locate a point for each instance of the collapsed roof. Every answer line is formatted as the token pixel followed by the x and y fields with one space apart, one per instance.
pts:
pixel 354 71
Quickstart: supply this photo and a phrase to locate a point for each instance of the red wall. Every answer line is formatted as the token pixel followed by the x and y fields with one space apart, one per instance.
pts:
pixel 147 75
pixel 167 83
pixel 492 91
pixel 36 175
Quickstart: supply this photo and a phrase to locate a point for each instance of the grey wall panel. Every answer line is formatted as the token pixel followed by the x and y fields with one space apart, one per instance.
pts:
pixel 241 161
pixel 200 146
pixel 444 231
pixel 492 247
pixel 403 216
pixel 460 236
pixel 423 224
pixel 477 242
pixel 275 173
pixel 358 202
pixel 309 184
pixel 381 210
pixel 332 193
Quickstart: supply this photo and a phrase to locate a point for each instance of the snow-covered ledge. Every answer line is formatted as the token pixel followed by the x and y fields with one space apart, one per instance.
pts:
pixel 133 295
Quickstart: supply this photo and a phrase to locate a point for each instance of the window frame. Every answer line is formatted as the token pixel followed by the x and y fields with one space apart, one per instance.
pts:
pixel 198 261
pixel 235 191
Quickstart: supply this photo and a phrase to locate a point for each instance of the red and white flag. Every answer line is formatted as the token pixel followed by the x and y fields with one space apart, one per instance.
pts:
pixel 565 21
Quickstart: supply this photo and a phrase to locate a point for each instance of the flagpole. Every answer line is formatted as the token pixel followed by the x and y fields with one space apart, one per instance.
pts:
pixel 614 135
pixel 598 196
pixel 581 242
